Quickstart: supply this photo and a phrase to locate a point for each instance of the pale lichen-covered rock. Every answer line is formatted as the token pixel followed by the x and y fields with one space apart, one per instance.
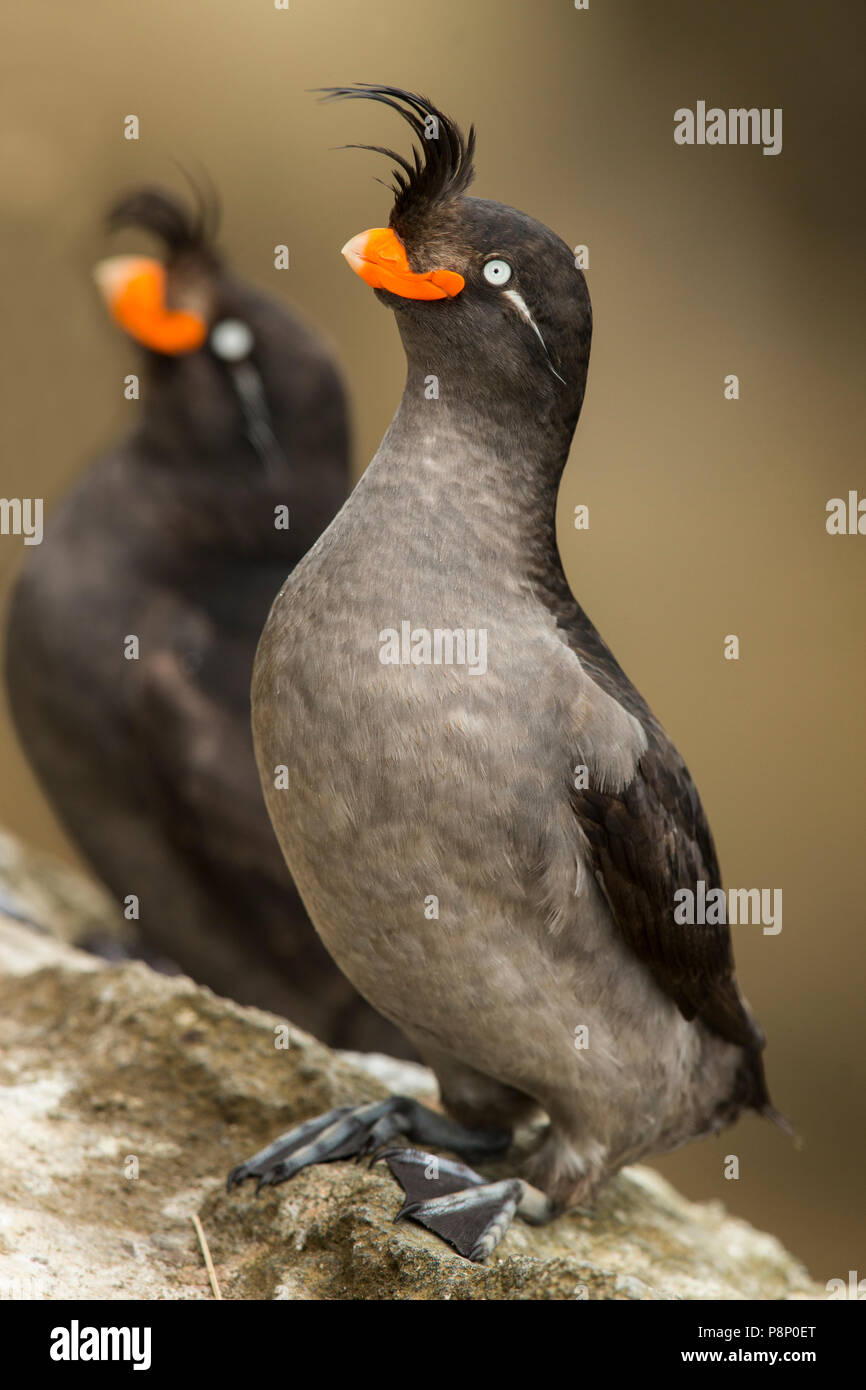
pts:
pixel 45 893
pixel 125 1097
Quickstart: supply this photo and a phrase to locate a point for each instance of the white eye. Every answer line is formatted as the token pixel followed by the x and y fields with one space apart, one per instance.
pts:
pixel 497 272
pixel 231 340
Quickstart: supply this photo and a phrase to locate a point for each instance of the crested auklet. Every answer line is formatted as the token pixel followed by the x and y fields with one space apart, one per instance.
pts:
pixel 490 849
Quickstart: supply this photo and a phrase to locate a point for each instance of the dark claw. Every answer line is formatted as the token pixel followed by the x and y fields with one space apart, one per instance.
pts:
pixel 407 1209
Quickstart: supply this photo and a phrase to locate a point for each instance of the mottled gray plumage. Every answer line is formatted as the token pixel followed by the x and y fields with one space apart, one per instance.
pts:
pixel 555 905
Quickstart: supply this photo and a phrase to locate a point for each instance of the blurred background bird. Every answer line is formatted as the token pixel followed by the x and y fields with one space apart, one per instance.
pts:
pixel 132 628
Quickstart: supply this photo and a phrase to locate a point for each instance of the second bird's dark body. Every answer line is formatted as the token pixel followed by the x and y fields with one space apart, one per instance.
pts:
pixel 171 539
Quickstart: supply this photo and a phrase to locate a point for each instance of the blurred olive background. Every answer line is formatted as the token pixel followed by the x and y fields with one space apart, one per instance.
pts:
pixel 706 516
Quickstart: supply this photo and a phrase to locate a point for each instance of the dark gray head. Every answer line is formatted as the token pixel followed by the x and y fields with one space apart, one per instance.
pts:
pixel 226 364
pixel 483 293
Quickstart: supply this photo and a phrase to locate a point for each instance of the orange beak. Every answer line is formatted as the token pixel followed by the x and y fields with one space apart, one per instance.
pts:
pixel 379 257
pixel 134 289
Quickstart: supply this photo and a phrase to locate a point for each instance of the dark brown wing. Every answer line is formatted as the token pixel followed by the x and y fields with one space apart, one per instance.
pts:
pixel 648 841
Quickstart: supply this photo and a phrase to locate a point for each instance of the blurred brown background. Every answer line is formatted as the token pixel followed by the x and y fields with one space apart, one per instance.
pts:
pixel 707 516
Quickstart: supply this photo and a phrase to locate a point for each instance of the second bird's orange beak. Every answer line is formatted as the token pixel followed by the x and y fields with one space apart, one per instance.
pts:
pixel 379 257
pixel 134 289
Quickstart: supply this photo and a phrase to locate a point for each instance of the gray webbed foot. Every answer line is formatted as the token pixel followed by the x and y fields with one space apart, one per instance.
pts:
pixel 454 1202
pixel 356 1131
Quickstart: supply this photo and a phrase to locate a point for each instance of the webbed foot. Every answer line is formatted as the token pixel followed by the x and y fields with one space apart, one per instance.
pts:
pixel 355 1131
pixel 454 1202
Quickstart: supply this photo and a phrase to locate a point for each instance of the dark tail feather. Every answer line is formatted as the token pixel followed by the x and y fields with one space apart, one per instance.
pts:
pixel 769 1112
pixel 757 1095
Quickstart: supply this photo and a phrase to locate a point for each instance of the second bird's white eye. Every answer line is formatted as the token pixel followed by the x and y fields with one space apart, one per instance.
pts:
pixel 231 339
pixel 497 272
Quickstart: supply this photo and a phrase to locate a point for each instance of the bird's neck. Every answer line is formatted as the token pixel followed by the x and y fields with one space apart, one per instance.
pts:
pixel 479 475
pixel 201 474
pixel 186 411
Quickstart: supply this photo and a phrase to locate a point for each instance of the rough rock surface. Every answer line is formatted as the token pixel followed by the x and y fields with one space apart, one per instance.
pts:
pixel 111 1070
pixel 40 890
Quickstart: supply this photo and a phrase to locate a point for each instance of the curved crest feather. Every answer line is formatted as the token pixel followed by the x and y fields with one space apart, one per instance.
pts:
pixel 441 168
pixel 181 228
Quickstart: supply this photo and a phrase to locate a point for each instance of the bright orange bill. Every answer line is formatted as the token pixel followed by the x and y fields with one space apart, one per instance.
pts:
pixel 134 289
pixel 379 257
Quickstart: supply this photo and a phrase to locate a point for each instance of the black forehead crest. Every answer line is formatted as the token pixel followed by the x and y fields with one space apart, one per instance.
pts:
pixel 181 227
pixel 440 169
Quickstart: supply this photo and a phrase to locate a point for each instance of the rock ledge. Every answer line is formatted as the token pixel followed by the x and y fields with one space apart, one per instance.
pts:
pixel 109 1070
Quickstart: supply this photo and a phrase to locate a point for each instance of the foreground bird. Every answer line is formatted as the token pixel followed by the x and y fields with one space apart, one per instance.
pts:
pixel 485 820
pixel 177 540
